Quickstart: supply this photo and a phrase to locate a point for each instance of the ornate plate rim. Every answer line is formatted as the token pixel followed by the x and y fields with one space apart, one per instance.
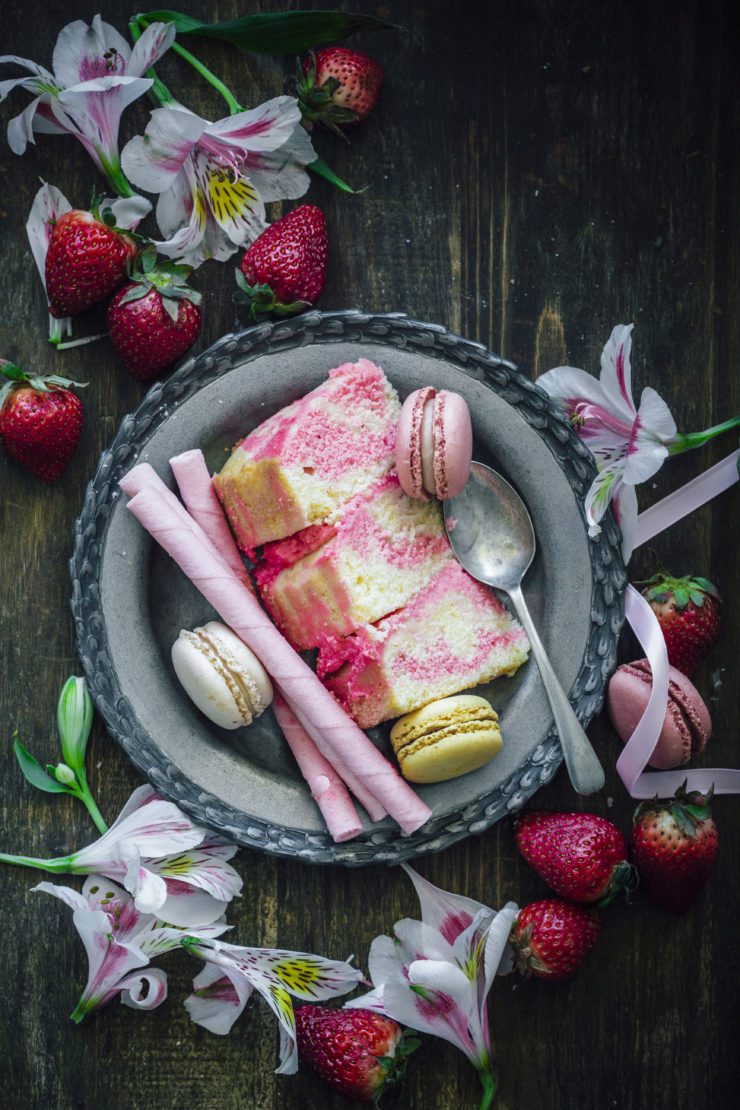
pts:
pixel 607 599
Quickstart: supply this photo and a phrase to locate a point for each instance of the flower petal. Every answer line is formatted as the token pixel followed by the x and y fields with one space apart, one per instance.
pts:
pixel 154 160
pixel 235 204
pixel 567 386
pixel 83 52
pixel 449 913
pixel 497 943
pixel 20 128
pixel 128 212
pixel 616 371
pixel 217 999
pixel 149 889
pixel 604 487
pixel 155 41
pixel 133 993
pixel 417 941
pixel 66 894
pixel 154 829
pixel 205 868
pixel 266 127
pixel 48 205
pixel 280 174
pixel 164 938
pixel 187 907
pixel 624 506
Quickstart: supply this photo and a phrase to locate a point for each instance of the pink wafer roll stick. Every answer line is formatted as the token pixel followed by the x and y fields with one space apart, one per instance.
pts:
pixel 145 475
pixel 194 483
pixel 327 789
pixel 348 748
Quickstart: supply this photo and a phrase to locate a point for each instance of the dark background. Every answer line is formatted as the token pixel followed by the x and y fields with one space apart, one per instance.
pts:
pixel 536 173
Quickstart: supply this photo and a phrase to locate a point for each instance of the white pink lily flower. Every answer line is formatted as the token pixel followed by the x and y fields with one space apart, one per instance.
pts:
pixel 96 76
pixel 48 206
pixel 232 974
pixel 120 943
pixel 214 179
pixel 173 868
pixel 435 975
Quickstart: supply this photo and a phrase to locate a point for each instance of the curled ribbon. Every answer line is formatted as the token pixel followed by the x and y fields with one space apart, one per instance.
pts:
pixel 638 749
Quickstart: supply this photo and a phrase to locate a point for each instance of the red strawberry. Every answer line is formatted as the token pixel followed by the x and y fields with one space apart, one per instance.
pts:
pixel 154 319
pixel 358 1052
pixel 284 270
pixel 86 261
pixel 674 845
pixel 552 938
pixel 689 612
pixel 338 86
pixel 40 420
pixel 581 856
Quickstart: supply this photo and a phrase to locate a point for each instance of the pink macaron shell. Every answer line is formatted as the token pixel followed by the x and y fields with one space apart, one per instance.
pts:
pixel 453 444
pixel 687 726
pixel 408 443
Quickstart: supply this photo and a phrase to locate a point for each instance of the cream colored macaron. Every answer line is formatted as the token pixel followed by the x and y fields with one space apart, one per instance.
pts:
pixel 446 738
pixel 221 675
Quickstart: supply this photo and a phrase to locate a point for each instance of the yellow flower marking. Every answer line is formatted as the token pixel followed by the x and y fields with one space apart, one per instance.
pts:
pixel 297 975
pixel 229 199
pixel 282 998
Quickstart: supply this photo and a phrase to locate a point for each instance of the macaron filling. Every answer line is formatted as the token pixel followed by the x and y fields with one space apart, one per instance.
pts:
pixel 680 707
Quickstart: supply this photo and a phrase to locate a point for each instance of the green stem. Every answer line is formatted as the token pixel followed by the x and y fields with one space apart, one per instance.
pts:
pixel 697 439
pixel 489 1083
pixel 233 104
pixel 55 866
pixel 116 177
pixel 89 802
pixel 80 1012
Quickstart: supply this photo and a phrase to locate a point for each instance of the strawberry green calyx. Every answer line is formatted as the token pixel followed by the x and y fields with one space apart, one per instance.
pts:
pixel 689 809
pixel 16 378
pixel 168 278
pixel 394 1067
pixel 260 299
pixel 662 587
pixel 316 101
pixel 624 879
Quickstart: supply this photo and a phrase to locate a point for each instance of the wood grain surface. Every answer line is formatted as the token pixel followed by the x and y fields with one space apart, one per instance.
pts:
pixel 537 171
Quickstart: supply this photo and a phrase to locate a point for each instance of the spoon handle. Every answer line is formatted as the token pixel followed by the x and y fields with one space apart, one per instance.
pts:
pixel 585 771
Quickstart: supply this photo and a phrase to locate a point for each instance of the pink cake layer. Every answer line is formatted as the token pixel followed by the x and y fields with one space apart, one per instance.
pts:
pixel 381 551
pixel 452 635
pixel 298 466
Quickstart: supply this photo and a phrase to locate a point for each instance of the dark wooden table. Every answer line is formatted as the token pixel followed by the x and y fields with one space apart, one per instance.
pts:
pixel 536 173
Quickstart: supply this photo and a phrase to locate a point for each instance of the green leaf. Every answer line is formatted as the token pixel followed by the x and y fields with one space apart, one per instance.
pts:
pixel 277 32
pixel 35 773
pixel 320 168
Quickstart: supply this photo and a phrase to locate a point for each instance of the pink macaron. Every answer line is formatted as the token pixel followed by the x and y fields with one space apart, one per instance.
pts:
pixel 434 444
pixel 687 726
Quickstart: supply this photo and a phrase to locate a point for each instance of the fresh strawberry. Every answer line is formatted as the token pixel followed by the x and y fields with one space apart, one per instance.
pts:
pixel 40 420
pixel 674 845
pixel 86 261
pixel 581 856
pixel 284 270
pixel 337 86
pixel 689 612
pixel 155 317
pixel 551 938
pixel 358 1052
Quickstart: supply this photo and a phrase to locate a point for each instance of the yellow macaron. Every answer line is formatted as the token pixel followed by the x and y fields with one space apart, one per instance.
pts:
pixel 446 738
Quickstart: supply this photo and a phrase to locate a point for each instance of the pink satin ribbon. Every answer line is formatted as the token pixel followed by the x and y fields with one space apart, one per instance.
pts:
pixel 638 749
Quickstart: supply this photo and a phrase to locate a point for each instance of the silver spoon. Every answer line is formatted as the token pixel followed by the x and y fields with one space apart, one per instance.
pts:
pixel 492 536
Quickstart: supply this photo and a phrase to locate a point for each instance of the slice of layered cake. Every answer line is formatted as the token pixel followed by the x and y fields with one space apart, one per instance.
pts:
pixel 454 634
pixel 310 457
pixel 383 548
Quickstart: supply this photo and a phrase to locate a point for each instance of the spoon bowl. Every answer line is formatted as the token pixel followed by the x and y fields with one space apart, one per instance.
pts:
pixel 492 535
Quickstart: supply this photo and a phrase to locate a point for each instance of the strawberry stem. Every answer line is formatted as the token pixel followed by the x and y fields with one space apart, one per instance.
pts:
pixel 80 342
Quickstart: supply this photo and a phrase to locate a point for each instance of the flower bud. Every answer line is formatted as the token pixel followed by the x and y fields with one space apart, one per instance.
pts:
pixel 64 774
pixel 74 721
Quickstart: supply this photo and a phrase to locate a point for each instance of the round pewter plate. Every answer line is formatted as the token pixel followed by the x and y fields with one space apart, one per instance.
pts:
pixel 129 600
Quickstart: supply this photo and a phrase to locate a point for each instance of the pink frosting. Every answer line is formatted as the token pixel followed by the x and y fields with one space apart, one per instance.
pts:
pixel 408 443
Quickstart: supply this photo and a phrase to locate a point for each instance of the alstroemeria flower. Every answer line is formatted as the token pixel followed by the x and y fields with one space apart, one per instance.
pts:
pixel 119 940
pixel 436 974
pixel 232 974
pixel 172 867
pixel 215 178
pixel 629 444
pixel 96 76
